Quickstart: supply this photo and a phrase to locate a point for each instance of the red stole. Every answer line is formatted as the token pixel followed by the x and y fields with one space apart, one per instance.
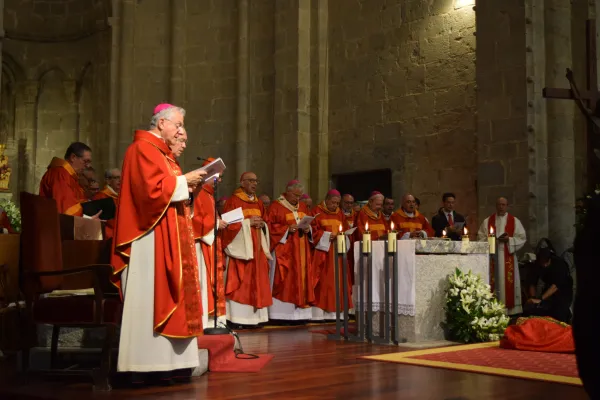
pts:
pixel 509 265
pixel 149 182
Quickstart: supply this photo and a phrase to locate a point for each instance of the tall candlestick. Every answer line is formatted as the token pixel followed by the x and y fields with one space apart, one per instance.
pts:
pixel 492 241
pixel 392 240
pixel 366 247
pixel 341 242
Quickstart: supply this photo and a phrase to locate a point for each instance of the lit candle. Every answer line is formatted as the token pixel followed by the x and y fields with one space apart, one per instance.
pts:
pixel 392 241
pixel 444 233
pixel 366 246
pixel 341 242
pixel 465 237
pixel 492 241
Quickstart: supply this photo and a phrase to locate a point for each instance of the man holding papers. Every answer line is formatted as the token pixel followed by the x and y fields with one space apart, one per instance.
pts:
pixel 203 222
pixel 331 222
pixel 246 243
pixel 294 278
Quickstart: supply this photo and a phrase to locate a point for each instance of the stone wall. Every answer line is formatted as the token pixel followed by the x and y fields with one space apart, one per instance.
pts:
pixel 55 64
pixel 402 96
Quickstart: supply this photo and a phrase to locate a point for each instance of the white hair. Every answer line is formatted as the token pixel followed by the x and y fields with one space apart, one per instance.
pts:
pixel 166 114
pixel 295 186
pixel 377 196
pixel 109 172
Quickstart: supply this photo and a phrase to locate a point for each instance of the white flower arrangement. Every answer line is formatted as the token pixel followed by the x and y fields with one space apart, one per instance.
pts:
pixel 473 314
pixel 13 213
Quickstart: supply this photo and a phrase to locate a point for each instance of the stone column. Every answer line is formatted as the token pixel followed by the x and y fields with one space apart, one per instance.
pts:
pixel 561 160
pixel 125 81
pixel 1 35
pixel 177 58
pixel 113 134
pixel 241 143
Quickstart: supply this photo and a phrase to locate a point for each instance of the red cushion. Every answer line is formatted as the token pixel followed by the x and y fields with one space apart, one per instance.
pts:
pixel 75 310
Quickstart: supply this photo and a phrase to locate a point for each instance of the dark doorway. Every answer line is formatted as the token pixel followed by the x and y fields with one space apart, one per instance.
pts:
pixel 361 184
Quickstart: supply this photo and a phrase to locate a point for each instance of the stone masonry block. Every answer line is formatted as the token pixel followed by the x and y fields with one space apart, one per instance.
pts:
pixel 490 173
pixel 509 129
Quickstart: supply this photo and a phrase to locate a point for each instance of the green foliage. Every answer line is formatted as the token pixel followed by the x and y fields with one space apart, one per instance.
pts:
pixel 13 213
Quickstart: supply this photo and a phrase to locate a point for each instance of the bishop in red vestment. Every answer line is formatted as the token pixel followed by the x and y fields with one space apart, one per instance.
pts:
pixel 204 235
pixel 247 247
pixel 61 181
pixel 371 213
pixel 329 218
pixel 294 278
pixel 110 191
pixel 409 223
pixel 153 253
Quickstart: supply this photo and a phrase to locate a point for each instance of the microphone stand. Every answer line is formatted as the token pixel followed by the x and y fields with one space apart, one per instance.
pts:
pixel 215 330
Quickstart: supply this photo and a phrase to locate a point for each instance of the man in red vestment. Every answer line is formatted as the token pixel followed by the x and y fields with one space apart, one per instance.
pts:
pixel 347 206
pixel 154 261
pixel 203 221
pixel 248 287
pixel 372 214
pixel 112 178
pixel 294 278
pixel 409 223
pixel 61 180
pixel 329 218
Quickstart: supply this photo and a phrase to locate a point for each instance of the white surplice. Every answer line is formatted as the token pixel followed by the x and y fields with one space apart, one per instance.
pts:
pixel 242 248
pixel 140 348
pixel 515 243
pixel 208 321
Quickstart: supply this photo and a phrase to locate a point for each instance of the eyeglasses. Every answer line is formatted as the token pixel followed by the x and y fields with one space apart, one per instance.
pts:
pixel 178 125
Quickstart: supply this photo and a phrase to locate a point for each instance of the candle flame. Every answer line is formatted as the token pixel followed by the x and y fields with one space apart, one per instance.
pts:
pixel 491 230
pixel 466 231
pixel 367 227
pixel 340 228
pixel 392 226
pixel 444 232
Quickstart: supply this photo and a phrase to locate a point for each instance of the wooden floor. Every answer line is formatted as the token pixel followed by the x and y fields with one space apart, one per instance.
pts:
pixel 308 366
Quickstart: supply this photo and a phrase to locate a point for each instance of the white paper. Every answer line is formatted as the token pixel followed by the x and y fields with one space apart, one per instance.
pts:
pixel 459 225
pixel 214 169
pixel 305 222
pixel 350 231
pixel 233 216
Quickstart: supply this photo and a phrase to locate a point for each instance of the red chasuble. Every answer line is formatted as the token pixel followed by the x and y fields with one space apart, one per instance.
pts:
pixel 204 224
pixel 110 224
pixel 539 334
pixel 247 280
pixel 324 262
pixel 61 184
pixel 509 265
pixel 376 224
pixel 403 223
pixel 350 218
pixel 149 179
pixel 295 278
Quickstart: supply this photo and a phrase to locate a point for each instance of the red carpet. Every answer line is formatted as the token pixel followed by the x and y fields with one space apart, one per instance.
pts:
pixel 489 358
pixel 221 357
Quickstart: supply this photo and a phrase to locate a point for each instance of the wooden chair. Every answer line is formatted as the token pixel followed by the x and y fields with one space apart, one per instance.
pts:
pixel 50 263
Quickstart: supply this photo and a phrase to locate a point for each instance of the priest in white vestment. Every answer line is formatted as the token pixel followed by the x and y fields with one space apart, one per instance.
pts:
pixel 505 277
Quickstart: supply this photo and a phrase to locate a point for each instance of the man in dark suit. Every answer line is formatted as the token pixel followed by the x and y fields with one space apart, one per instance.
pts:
pixel 447 218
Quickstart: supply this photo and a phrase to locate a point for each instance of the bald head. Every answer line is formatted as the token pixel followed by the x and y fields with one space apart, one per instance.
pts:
pixel 347 203
pixel 112 177
pixel 409 203
pixel 249 182
pixel 501 206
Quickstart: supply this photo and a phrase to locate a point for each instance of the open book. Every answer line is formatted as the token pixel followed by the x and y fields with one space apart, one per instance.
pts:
pixel 305 222
pixel 233 216
pixel 214 169
pixel 107 206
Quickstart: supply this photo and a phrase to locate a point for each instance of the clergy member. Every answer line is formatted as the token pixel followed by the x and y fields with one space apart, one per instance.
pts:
pixel 306 199
pixel 204 236
pixel 348 209
pixel 387 211
pixel 89 183
pixel 154 259
pixel 112 186
pixel 266 200
pixel 61 181
pixel 504 276
pixel 409 222
pixel 371 214
pixel 294 278
pixel 246 243
pixel 329 218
